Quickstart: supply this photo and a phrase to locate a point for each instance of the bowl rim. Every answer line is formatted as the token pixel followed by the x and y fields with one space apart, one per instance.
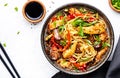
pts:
pixel 110 4
pixel 88 6
pixel 37 20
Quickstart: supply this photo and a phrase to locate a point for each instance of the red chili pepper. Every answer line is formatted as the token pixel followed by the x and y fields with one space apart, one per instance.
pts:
pixel 56 44
pixel 76 65
pixel 54 19
pixel 61 17
pixel 79 14
pixel 71 16
pixel 68 43
pixel 91 19
pixel 82 68
pixel 54 48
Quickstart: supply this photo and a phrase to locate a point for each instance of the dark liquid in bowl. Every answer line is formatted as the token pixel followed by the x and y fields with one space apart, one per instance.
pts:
pixel 34 10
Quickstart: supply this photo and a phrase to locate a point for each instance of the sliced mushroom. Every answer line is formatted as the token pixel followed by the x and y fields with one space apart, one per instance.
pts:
pixel 54 55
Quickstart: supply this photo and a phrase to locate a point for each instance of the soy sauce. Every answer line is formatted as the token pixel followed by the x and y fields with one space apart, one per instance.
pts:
pixel 34 10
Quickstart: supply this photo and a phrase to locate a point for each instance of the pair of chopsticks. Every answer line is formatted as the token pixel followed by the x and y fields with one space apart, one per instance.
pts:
pixel 11 68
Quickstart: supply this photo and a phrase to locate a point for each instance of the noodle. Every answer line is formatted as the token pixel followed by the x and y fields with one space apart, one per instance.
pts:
pixel 82 35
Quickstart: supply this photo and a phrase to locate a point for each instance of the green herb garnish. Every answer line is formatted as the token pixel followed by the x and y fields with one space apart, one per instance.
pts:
pixel 81 32
pixel 83 10
pixel 97 38
pixel 6 4
pixel 16 9
pixel 4 44
pixel 18 32
pixel 79 22
pixel 59 14
pixel 86 58
pixel 96 43
pixel 89 24
pixel 63 42
pixel 105 44
pixel 54 23
pixel 89 42
pixel 61 28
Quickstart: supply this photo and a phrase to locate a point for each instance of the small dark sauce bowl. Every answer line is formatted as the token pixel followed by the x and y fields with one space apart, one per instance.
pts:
pixel 34 11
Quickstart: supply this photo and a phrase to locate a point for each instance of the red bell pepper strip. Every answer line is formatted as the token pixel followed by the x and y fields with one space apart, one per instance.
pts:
pixel 91 19
pixel 68 43
pixel 80 67
pixel 70 16
pixel 61 17
pixel 56 44
pixel 54 19
pixel 79 14
pixel 54 48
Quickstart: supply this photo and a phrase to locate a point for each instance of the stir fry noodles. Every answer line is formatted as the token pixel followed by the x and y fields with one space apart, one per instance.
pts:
pixel 76 38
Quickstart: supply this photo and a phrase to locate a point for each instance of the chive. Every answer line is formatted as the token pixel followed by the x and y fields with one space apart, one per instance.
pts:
pixel 80 22
pixel 61 28
pixel 82 10
pixel 81 32
pixel 63 20
pixel 6 4
pixel 105 44
pixel 63 42
pixel 97 15
pixel 18 32
pixel 88 41
pixel 16 9
pixel 97 37
pixel 89 24
pixel 96 43
pixel 77 22
pixel 94 22
pixel 4 44
pixel 54 23
pixel 92 11
pixel 85 59
pixel 59 14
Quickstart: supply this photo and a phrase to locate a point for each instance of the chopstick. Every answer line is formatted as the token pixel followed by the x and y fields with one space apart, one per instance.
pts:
pixel 7 66
pixel 10 62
